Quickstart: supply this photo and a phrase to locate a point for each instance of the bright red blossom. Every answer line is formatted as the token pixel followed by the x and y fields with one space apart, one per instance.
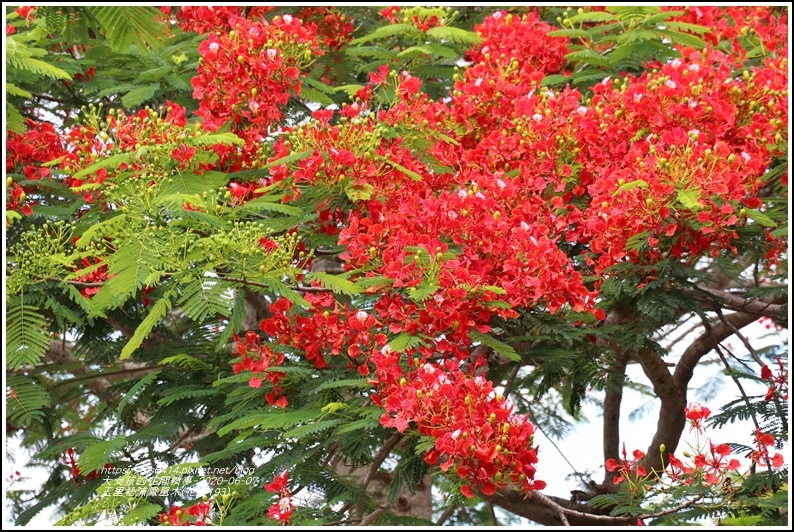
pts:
pixel 625 467
pixel 282 509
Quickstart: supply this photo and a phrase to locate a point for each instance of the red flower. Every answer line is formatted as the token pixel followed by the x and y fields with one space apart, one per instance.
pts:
pixel 761 454
pixel 715 466
pixel 175 517
pixel 390 13
pixel 697 414
pixel 283 508
pixel 279 484
pixel 200 511
pixel 626 467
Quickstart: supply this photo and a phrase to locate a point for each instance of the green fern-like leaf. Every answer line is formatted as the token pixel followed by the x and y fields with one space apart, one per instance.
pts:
pixel 270 204
pixel 570 33
pixel 15 122
pixel 589 57
pixel 286 291
pixel 367 423
pixel 627 13
pixel 130 25
pixel 266 419
pixel 684 39
pixel 25 400
pixel 594 16
pixel 140 514
pixel 313 95
pixel 312 428
pixel 136 388
pixel 186 361
pixel 205 297
pixel 23 57
pixel 159 309
pixel 386 31
pixel 13 90
pixel 404 341
pixel 184 392
pixel 499 346
pixel 341 383
pixel 108 163
pixel 128 269
pixel 335 283
pixel 454 35
pixel 98 454
pixel 139 95
pixel 194 184
pixel 27 338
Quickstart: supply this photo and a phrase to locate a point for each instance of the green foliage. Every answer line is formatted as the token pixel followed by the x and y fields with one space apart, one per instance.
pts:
pixel 25 401
pixel 27 336
pixel 619 41
pixel 125 299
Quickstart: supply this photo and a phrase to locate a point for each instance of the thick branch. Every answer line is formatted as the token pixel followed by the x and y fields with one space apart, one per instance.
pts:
pixel 612 401
pixel 671 413
pixel 546 510
pixel 712 299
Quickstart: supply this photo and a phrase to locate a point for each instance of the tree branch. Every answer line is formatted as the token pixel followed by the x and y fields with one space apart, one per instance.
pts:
pixel 546 509
pixel 378 459
pixel 446 514
pixel 612 402
pixel 685 367
pixel 714 299
pixel 368 519
pixel 672 418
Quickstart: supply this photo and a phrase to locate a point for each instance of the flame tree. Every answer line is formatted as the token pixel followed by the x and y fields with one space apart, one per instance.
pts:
pixel 339 265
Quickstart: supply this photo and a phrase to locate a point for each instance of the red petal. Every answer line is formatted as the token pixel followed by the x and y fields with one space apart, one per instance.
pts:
pixel 488 488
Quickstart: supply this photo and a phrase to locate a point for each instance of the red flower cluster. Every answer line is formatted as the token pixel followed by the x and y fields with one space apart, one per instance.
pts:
pixel 245 74
pixel 676 155
pixel 627 468
pixel 520 38
pixel 25 154
pixel 760 455
pixel 715 466
pixel 390 13
pixel 177 516
pixel 526 171
pixel 162 128
pixel 330 330
pixel 258 358
pixel 97 273
pixel 333 27
pixel 778 383
pixel 204 19
pixel 474 427
pixel 283 508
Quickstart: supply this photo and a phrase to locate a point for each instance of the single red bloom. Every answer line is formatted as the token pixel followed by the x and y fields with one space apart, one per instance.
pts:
pixel 766 373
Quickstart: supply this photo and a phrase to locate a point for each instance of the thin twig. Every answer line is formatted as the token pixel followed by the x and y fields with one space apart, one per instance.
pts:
pixel 383 453
pixel 263 285
pixel 741 337
pixel 584 480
